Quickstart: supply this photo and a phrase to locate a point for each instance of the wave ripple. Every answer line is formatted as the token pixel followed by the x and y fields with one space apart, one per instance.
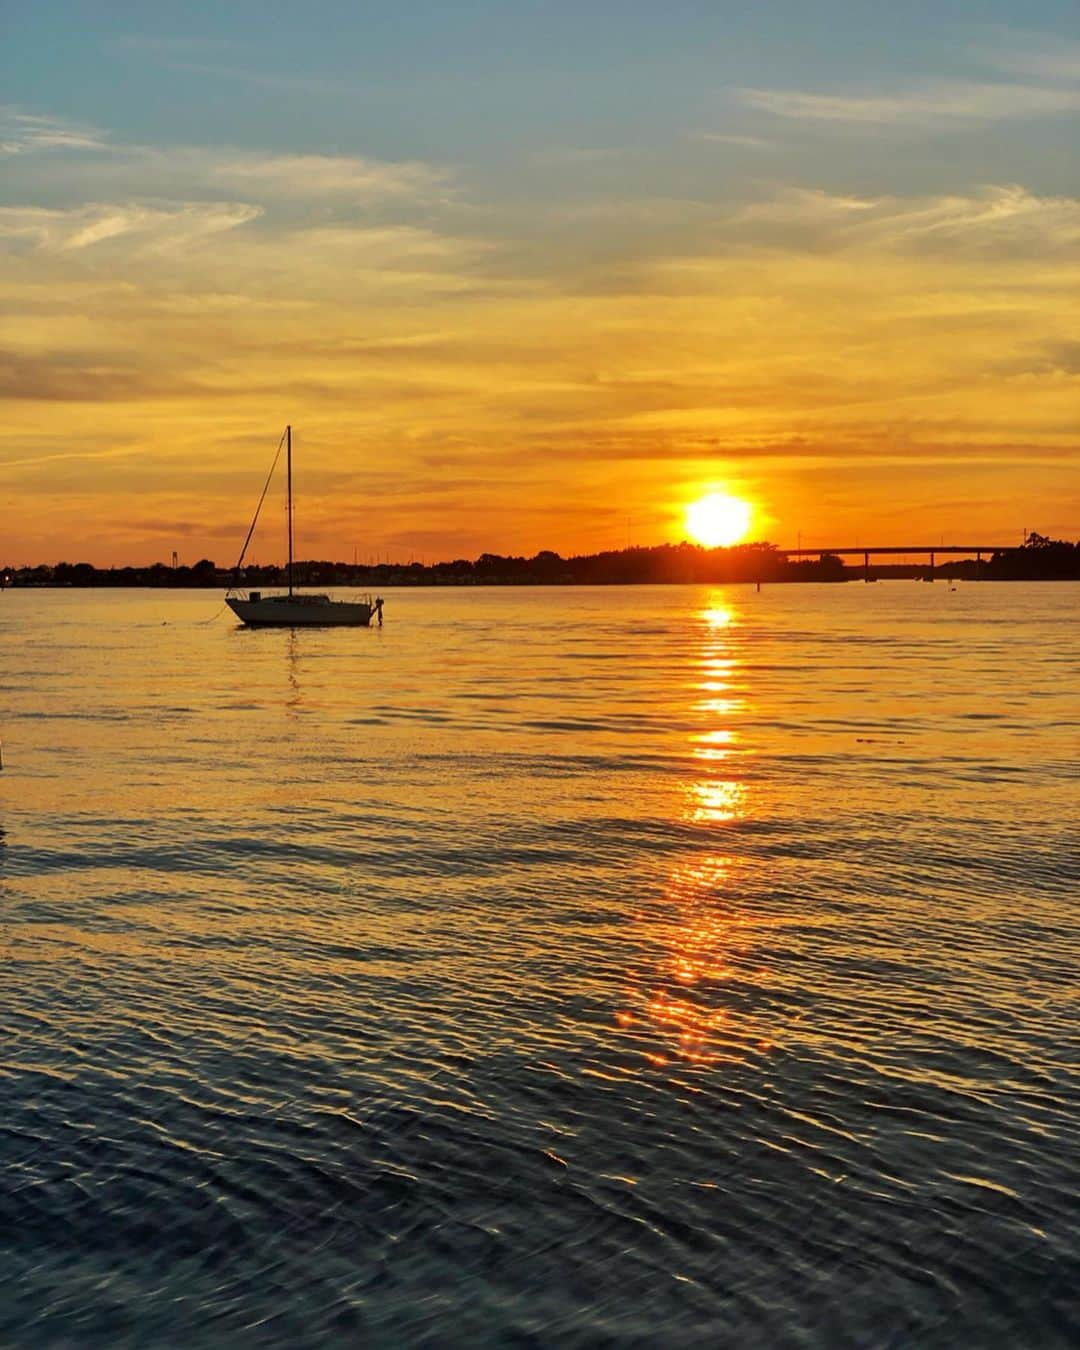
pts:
pixel 632 967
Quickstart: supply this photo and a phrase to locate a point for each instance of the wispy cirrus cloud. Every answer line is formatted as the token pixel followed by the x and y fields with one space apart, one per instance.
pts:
pixel 1045 83
pixel 198 56
pixel 953 103
pixel 86 377
pixel 168 46
pixel 733 138
pixel 146 171
pixel 572 155
pixel 151 227
pixel 221 59
pixel 353 176
pixel 1055 59
pixel 12 466
pixel 23 133
pixel 1002 219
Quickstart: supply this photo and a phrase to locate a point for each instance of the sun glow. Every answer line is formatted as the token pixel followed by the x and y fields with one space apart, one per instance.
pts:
pixel 718 520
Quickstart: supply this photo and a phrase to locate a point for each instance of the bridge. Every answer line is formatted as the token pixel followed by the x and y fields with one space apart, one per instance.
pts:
pixel 923 550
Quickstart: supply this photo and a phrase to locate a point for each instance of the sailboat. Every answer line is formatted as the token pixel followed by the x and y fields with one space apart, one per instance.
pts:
pixel 295 609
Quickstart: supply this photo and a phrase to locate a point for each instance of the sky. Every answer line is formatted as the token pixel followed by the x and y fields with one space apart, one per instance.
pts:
pixel 536 275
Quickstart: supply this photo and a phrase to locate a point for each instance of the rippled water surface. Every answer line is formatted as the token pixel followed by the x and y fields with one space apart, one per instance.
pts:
pixel 660 966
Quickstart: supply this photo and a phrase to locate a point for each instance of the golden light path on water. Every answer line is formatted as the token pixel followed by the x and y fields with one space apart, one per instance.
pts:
pixel 686 1004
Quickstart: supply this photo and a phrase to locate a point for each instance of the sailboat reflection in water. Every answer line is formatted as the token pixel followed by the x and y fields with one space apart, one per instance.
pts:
pixel 295 609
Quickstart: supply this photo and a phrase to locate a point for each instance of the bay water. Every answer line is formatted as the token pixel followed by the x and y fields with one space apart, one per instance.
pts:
pixel 630 966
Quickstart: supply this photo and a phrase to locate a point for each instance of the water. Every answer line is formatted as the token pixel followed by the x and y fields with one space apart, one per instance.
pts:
pixel 647 966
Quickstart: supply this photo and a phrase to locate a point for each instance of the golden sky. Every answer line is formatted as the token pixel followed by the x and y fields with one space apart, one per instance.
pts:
pixel 814 298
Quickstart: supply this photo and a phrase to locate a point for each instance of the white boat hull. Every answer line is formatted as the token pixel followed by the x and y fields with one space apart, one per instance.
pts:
pixel 301 611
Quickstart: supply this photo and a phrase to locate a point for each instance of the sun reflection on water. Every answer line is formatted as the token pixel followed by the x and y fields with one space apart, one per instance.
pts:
pixel 716 801
pixel 685 1011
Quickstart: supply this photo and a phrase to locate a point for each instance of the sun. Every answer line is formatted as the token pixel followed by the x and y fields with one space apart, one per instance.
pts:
pixel 718 520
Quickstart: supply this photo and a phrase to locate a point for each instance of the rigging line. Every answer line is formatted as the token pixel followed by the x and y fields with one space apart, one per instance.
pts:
pixel 262 498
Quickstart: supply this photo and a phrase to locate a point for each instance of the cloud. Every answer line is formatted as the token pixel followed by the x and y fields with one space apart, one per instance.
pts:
pixel 166 226
pixel 1053 360
pixel 112 452
pixel 571 155
pixel 1055 59
pixel 201 56
pixel 945 104
pixel 272 79
pixel 312 176
pixel 184 529
pixel 158 46
pixel 145 172
pixel 732 138
pixel 347 264
pixel 175 57
pixel 116 375
pixel 1007 220
pixel 865 333
pixel 650 211
pixel 28 133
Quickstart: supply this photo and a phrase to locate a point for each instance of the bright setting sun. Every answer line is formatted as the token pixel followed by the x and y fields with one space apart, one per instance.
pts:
pixel 718 520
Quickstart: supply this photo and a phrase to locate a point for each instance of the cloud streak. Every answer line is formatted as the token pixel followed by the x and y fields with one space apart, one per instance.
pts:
pixel 1021 53
pixel 145 171
pixel 1004 220
pixel 945 104
pixel 144 227
pixel 30 133
pixel 733 138
pixel 307 176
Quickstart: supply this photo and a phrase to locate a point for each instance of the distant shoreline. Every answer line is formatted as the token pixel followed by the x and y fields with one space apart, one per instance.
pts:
pixel 387 583
pixel 1039 559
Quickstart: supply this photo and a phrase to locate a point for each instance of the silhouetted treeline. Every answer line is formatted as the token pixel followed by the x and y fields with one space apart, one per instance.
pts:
pixel 1041 559
pixel 203 573
pixel 666 563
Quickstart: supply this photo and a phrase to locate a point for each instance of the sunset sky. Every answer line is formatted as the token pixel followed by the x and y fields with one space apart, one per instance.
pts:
pixel 536 275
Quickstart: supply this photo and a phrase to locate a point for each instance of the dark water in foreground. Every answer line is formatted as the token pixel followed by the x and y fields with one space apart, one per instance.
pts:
pixel 634 967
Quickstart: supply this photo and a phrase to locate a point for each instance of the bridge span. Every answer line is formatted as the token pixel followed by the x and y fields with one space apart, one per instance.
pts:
pixel 866 552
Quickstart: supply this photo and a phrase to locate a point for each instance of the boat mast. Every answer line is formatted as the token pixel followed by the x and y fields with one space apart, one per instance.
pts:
pixel 288 463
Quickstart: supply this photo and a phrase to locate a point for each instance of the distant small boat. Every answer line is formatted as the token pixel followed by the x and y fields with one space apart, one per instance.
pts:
pixel 296 609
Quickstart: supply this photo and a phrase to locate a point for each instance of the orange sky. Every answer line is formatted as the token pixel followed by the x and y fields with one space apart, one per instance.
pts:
pixel 470 365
